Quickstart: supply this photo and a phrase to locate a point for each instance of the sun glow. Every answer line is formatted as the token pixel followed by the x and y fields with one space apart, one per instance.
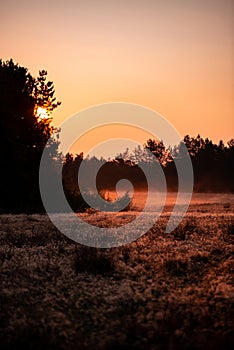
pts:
pixel 41 113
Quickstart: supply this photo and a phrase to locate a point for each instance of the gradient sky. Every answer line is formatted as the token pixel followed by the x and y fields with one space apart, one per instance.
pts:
pixel 174 56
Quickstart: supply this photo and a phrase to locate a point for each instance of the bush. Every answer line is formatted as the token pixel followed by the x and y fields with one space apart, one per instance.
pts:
pixel 79 204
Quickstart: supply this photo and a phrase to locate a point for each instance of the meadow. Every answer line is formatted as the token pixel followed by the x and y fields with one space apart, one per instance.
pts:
pixel 163 291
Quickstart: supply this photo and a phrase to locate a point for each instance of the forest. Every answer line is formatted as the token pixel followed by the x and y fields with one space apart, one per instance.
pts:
pixel 212 166
pixel 24 135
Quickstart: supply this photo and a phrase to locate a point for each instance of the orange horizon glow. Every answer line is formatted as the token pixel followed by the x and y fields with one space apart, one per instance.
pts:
pixel 102 134
pixel 175 57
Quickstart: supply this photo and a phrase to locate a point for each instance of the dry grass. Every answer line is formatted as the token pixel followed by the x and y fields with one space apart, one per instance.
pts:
pixel 164 291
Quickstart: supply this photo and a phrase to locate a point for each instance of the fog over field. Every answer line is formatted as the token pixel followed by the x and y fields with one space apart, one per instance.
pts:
pixel 202 199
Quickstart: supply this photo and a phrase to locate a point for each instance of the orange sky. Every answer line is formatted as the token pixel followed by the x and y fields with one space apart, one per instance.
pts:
pixel 174 56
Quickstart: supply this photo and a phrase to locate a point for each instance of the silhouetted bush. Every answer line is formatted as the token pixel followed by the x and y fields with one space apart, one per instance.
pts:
pixel 79 204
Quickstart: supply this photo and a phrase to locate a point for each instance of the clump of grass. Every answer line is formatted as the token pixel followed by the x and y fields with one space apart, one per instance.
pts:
pixel 228 232
pixel 200 258
pixel 17 240
pixel 176 267
pixel 94 261
pixel 226 205
pixel 91 211
pixel 6 253
pixel 216 252
pixel 179 234
pixel 187 267
pixel 189 227
pixel 230 228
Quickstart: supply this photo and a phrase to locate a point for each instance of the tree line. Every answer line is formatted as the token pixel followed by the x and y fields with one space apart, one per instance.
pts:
pixel 212 165
pixel 24 135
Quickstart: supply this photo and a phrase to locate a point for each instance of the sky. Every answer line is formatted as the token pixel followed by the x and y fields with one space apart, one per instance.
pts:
pixel 173 56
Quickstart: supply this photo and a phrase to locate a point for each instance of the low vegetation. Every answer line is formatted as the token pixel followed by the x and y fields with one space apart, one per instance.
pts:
pixel 164 291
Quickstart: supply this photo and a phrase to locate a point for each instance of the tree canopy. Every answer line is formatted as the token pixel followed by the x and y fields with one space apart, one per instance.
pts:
pixel 23 134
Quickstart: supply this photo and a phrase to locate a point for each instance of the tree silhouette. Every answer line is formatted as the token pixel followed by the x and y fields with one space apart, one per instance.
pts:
pixel 23 135
pixel 158 149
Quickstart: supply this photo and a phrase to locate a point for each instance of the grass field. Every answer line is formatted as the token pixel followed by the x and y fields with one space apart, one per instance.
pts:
pixel 164 291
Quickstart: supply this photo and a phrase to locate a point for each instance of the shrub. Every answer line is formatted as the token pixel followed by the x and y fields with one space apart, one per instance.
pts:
pixel 79 204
